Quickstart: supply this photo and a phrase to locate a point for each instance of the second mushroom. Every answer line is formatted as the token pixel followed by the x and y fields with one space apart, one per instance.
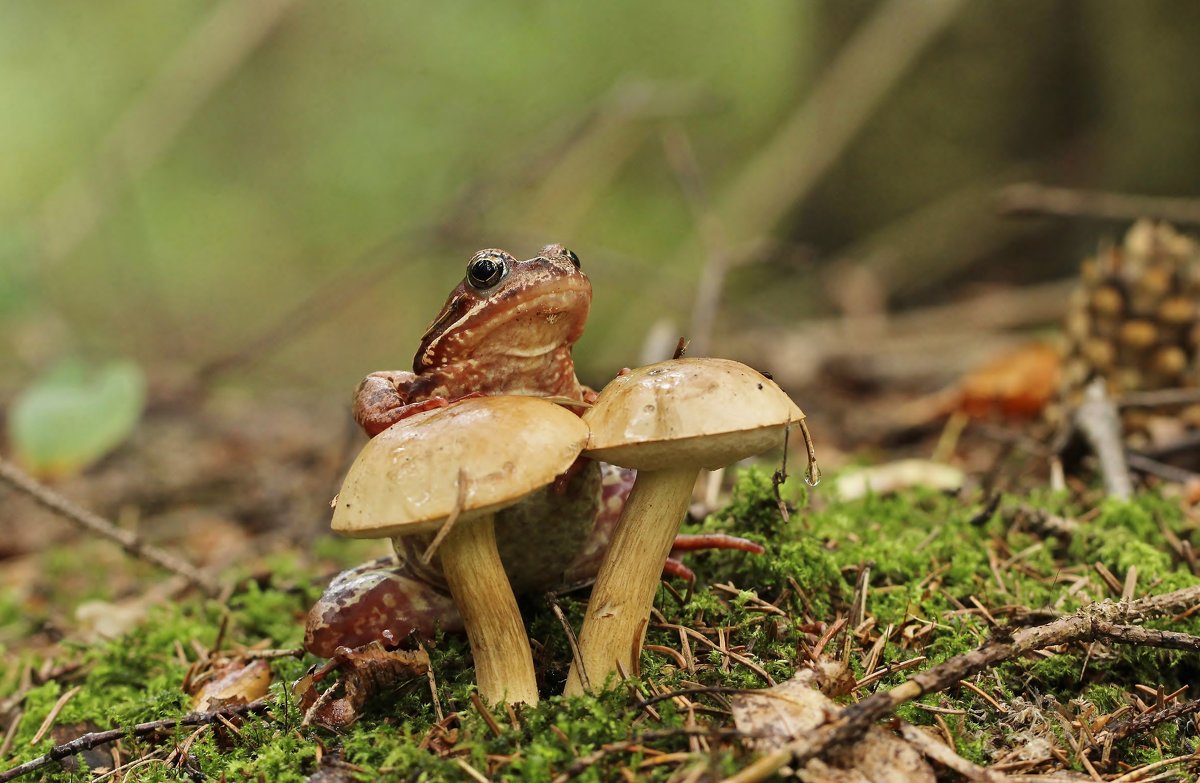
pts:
pixel 668 421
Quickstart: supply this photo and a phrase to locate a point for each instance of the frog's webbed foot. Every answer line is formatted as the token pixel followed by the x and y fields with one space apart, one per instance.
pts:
pixel 364 603
pixel 691 543
pixel 384 398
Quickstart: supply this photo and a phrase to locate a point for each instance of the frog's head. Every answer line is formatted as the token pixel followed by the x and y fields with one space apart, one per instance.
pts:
pixel 505 309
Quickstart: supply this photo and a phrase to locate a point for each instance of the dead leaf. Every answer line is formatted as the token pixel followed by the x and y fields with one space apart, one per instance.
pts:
pixel 1017 384
pixel 895 476
pixel 368 669
pixel 230 681
pixel 105 620
pixel 778 715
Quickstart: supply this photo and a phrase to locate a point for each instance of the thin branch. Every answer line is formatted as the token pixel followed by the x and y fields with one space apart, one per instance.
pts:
pixel 1153 467
pixel 1087 624
pixel 1145 722
pixel 1098 420
pixel 1029 199
pixel 93 523
pixel 96 738
pixel 947 757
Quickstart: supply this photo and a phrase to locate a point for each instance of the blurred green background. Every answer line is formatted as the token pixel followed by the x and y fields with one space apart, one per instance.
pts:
pixel 289 188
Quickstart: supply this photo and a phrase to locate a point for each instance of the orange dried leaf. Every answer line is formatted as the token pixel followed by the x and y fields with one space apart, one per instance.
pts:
pixel 1016 384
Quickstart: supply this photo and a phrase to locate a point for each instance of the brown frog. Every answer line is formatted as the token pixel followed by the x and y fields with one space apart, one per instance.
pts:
pixel 507 328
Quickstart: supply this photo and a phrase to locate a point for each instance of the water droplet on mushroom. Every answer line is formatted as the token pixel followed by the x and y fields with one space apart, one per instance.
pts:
pixel 812 476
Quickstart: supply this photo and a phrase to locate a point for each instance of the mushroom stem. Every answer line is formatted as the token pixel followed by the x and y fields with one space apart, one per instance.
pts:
pixel 499 645
pixel 619 608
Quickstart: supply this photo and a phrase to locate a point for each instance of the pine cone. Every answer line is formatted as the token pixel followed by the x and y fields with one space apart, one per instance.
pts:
pixel 1133 322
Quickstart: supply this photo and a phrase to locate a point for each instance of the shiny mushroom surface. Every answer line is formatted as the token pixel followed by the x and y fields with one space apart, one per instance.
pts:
pixel 668 421
pixel 457 466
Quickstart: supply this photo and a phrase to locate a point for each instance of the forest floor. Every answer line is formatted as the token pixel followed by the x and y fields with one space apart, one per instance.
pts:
pixel 989 629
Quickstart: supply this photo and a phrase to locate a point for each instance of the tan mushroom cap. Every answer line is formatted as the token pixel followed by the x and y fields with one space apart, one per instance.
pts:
pixel 704 412
pixel 406 479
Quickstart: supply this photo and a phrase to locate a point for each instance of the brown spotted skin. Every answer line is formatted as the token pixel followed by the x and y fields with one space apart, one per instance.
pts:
pixel 362 603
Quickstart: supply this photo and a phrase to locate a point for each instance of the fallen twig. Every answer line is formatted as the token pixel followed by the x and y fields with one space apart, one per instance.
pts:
pixel 1145 722
pixel 53 714
pixel 1030 199
pixel 1087 624
pixel 1153 467
pixel 1098 420
pixel 947 757
pixel 94 523
pixel 96 738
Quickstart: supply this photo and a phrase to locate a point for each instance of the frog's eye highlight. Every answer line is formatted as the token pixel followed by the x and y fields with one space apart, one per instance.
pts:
pixel 485 270
pixel 574 259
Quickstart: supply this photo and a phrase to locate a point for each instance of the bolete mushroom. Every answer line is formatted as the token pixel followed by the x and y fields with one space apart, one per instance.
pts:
pixel 458 465
pixel 668 420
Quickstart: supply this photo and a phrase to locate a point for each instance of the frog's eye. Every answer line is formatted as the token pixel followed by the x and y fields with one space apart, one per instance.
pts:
pixel 574 259
pixel 485 270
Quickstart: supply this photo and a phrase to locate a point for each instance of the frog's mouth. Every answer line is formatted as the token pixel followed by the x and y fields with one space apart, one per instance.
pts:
pixel 540 325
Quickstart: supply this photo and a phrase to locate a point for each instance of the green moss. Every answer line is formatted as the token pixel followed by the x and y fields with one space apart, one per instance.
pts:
pixel 927 555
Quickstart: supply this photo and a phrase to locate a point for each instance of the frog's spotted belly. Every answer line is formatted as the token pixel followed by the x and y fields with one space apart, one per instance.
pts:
pixel 552 540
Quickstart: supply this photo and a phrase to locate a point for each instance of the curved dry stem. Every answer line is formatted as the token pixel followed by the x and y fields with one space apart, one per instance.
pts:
pixel 499 644
pixel 624 591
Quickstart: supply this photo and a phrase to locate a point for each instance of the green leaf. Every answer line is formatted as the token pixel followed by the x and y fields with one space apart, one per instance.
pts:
pixel 75 414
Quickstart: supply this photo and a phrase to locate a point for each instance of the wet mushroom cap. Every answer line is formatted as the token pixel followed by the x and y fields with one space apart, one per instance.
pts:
pixel 667 420
pixel 454 467
pixel 703 411
pixel 406 479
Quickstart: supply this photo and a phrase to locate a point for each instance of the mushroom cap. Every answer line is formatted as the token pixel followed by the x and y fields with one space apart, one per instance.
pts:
pixel 700 412
pixel 406 480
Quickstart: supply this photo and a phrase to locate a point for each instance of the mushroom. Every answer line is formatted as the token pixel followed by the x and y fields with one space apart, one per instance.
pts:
pixel 449 470
pixel 667 420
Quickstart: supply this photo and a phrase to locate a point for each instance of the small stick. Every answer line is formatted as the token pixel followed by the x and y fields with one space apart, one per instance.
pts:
pixel 1029 199
pixel 1097 419
pixel 1154 398
pixel 572 641
pixel 947 757
pixel 1164 471
pixel 486 714
pixel 94 523
pixel 96 738
pixel 1140 772
pixel 433 690
pixel 1087 624
pixel 473 773
pixel 1146 722
pixel 11 733
pixel 50 716
pixel 1129 589
pixel 460 500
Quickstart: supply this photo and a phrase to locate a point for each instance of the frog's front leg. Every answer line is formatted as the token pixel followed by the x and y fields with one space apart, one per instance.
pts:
pixel 384 398
pixel 362 603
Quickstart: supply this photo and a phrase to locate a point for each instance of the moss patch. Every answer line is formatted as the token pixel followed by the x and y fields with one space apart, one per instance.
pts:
pixel 931 563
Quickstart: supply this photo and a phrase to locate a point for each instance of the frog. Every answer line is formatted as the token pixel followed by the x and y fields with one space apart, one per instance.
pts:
pixel 507 328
